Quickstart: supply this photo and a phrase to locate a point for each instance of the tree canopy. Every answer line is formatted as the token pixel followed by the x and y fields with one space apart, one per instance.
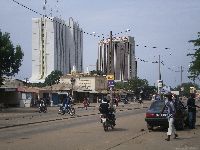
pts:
pixel 186 88
pixel 53 78
pixel 136 86
pixel 11 57
pixel 194 69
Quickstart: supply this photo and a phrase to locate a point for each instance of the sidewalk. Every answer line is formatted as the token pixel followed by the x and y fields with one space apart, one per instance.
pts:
pixel 188 139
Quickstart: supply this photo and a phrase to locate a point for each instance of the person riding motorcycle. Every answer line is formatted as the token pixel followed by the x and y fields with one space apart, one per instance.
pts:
pixel 42 106
pixel 104 108
pixel 42 103
pixel 66 102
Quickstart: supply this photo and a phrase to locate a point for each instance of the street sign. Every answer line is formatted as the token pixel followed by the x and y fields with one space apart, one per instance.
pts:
pixel 111 83
pixel 160 83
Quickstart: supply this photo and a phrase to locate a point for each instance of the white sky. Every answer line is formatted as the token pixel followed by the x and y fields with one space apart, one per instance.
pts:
pixel 161 23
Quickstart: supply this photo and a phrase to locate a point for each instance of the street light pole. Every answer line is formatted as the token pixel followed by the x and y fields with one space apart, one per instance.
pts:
pixel 111 68
pixel 159 67
pixel 160 83
pixel 181 75
pixel 72 82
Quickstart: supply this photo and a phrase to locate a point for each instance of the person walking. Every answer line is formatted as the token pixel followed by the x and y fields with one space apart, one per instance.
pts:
pixel 169 104
pixel 85 103
pixel 192 111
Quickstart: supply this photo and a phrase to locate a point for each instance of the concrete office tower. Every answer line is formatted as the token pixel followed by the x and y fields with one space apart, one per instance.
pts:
pixel 121 61
pixel 56 45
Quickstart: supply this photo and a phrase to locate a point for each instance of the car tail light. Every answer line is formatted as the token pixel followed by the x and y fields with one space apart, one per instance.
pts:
pixel 150 115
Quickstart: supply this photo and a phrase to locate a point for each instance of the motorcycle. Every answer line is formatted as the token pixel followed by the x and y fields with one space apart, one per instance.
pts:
pixel 70 110
pixel 125 101
pixel 140 100
pixel 42 108
pixel 107 121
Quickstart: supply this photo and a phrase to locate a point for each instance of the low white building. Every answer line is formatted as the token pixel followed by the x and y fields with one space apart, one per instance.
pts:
pixel 87 83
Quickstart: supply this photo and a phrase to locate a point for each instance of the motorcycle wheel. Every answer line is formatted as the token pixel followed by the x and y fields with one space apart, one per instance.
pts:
pixel 105 127
pixel 72 111
pixel 62 112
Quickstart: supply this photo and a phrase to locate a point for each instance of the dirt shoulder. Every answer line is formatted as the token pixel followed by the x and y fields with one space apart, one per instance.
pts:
pixel 189 139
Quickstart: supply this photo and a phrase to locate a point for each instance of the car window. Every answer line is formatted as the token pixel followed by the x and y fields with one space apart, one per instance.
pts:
pixel 157 106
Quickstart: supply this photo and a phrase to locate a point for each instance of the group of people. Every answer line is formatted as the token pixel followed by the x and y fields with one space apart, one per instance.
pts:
pixel 170 105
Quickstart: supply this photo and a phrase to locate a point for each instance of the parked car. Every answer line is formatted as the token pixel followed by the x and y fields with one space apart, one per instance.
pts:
pixel 154 118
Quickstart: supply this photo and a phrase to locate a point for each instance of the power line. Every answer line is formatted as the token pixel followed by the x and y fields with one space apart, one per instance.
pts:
pixel 94 34
pixel 87 33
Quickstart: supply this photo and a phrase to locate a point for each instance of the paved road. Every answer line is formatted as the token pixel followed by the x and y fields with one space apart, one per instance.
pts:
pixel 23 116
pixel 85 132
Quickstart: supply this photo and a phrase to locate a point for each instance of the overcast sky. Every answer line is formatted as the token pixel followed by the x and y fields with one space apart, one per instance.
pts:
pixel 153 23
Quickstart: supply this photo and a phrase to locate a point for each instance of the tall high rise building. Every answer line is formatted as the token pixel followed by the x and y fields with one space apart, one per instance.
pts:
pixel 118 60
pixel 56 45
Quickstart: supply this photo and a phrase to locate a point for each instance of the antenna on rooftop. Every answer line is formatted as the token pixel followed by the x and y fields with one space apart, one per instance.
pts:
pixel 57 8
pixel 51 13
pixel 44 8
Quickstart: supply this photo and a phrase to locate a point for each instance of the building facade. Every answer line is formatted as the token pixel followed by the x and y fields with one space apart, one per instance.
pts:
pixel 119 60
pixel 86 83
pixel 56 45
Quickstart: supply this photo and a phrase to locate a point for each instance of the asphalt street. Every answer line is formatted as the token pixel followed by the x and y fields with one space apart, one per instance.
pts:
pixel 25 128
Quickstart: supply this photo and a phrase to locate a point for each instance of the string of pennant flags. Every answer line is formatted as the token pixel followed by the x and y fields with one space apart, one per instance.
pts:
pixel 87 33
pixel 156 62
pixel 94 34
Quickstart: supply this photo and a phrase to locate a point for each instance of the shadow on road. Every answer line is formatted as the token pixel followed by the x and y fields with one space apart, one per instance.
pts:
pixel 120 129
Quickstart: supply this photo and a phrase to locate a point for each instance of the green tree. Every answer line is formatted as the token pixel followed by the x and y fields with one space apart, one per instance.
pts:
pixel 186 87
pixel 98 72
pixel 11 57
pixel 119 85
pixel 136 85
pixel 53 78
pixel 194 69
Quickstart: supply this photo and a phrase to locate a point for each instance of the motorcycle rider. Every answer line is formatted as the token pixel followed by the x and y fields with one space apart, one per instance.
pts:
pixel 66 101
pixel 42 104
pixel 104 108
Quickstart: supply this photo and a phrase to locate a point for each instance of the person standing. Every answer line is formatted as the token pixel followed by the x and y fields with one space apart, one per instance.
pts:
pixel 169 104
pixel 192 111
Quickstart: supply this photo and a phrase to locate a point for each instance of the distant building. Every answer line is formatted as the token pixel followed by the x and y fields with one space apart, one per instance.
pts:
pixel 121 61
pixel 56 45
pixel 85 85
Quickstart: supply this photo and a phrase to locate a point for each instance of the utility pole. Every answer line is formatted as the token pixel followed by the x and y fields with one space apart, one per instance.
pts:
pixel 110 69
pixel 160 83
pixel 111 72
pixel 159 67
pixel 181 75
pixel 182 88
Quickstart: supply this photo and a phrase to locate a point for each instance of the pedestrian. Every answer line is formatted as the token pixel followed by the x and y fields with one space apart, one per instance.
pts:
pixel 169 104
pixel 157 97
pixel 192 111
pixel 117 101
pixel 85 103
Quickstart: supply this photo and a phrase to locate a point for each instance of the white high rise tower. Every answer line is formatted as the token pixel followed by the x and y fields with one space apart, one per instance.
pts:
pixel 121 59
pixel 56 45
